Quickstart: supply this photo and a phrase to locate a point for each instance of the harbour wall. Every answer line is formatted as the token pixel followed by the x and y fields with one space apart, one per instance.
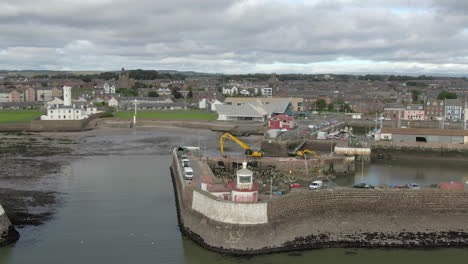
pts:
pixel 400 150
pixel 51 125
pixel 8 233
pixel 236 128
pixel 323 218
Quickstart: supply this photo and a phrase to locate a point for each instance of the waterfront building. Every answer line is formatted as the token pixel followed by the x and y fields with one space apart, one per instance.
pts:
pixel 394 112
pixel 414 112
pixel 453 110
pixel 244 189
pixel 67 111
pixel 424 135
pixel 434 110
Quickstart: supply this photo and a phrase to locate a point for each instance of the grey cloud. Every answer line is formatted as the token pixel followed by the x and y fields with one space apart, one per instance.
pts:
pixel 225 35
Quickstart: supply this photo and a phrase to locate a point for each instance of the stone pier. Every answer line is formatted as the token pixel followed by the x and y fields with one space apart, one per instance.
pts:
pixel 8 233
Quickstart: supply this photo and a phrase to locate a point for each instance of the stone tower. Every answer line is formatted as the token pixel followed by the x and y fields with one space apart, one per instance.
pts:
pixel 67 96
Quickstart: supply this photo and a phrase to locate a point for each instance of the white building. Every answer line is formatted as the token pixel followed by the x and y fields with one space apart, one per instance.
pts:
pixel 109 89
pixel 67 111
pixel 208 104
pixel 164 91
pixel 230 91
pixel 267 92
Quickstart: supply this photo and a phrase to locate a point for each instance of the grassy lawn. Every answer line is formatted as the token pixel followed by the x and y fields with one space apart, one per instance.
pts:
pixel 196 115
pixel 19 116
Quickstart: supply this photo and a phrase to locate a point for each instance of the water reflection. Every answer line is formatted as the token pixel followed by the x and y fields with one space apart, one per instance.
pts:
pixel 401 172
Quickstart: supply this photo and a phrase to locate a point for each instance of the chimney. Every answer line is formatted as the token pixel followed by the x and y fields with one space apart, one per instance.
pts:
pixel 244 165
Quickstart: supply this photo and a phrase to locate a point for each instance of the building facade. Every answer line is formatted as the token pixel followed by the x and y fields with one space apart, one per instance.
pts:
pixel 67 111
pixel 434 110
pixel 453 110
pixel 414 112
pixel 394 113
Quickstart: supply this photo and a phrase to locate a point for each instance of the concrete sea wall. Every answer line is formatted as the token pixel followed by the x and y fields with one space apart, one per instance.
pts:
pixel 392 150
pixel 51 125
pixel 323 218
pixel 237 128
pixel 8 233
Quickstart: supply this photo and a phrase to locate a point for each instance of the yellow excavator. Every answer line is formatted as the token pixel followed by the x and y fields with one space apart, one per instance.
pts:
pixel 248 151
pixel 302 153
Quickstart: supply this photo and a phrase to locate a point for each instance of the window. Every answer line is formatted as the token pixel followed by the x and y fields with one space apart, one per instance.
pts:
pixel 245 179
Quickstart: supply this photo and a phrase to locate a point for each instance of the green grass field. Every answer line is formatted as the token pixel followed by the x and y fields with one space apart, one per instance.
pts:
pixel 19 116
pixel 196 115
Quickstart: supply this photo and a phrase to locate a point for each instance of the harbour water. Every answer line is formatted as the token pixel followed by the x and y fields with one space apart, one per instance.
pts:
pixel 121 209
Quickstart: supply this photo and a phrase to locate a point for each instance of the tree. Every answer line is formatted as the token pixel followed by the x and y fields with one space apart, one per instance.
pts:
pixel 346 108
pixel 446 95
pixel 190 93
pixel 176 93
pixel 415 95
pixel 320 104
pixel 330 107
pixel 153 94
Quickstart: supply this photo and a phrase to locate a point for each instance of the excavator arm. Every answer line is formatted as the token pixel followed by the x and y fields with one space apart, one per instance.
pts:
pixel 301 153
pixel 248 151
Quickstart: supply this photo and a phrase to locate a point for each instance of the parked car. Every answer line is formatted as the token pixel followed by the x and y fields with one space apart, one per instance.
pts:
pixel 413 186
pixel 185 162
pixel 188 173
pixel 363 185
pixel 315 185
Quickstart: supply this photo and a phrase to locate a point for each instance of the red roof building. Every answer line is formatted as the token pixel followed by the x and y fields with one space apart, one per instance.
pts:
pixel 282 121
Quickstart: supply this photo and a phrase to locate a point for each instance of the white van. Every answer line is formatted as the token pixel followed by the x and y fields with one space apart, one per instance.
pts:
pixel 185 163
pixel 315 185
pixel 188 173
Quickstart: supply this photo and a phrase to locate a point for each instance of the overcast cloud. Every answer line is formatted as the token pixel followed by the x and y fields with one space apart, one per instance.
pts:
pixel 230 36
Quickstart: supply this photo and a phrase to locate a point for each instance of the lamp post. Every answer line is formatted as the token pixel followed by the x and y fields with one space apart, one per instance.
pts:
pixel 135 114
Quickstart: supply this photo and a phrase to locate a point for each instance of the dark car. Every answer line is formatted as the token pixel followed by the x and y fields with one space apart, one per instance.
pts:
pixel 363 185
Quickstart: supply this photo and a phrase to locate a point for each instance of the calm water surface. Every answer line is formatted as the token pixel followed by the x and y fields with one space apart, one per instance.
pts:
pixel 120 209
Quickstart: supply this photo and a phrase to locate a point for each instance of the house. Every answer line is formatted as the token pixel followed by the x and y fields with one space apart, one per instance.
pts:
pixel 282 121
pixel 434 110
pixel 394 112
pixel 164 91
pixel 414 112
pixel 30 95
pixel 230 91
pixel 10 96
pixel 209 104
pixel 266 92
pixel 453 110
pixel 44 94
pixel 113 102
pixel 109 89
pixel 67 111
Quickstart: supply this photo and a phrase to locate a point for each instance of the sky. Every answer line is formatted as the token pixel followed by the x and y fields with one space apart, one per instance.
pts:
pixel 237 36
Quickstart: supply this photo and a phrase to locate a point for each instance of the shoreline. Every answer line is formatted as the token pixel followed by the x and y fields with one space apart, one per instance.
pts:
pixel 365 222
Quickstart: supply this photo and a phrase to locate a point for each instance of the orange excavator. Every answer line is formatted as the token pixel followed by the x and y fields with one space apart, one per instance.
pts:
pixel 248 152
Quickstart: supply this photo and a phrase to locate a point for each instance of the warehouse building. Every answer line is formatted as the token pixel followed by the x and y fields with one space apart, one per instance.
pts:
pixel 423 135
